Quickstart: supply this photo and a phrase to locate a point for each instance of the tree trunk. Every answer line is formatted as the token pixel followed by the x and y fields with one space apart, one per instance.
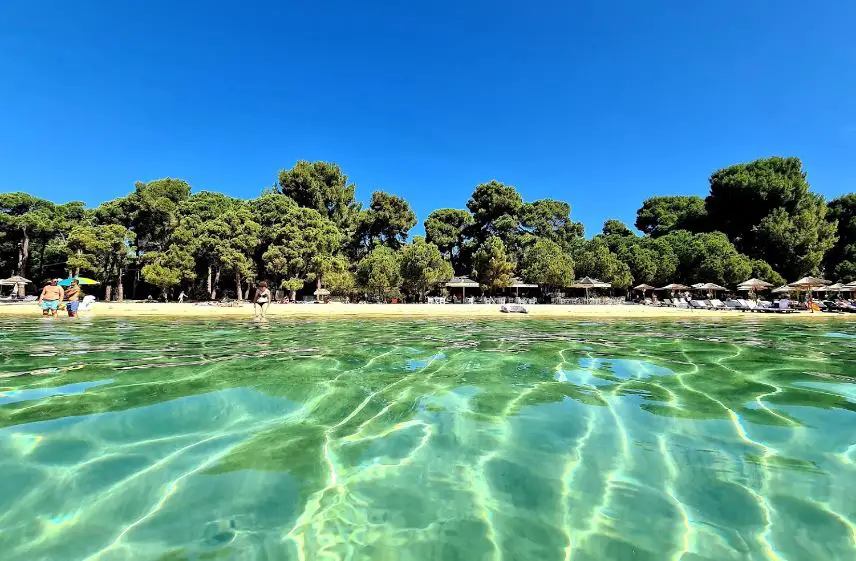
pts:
pixel 120 289
pixel 76 271
pixel 136 275
pixel 23 257
pixel 238 283
pixel 208 282
pixel 42 261
pixel 216 284
pixel 108 292
pixel 294 296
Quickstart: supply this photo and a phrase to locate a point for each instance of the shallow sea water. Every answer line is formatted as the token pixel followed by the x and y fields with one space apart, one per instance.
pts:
pixel 428 440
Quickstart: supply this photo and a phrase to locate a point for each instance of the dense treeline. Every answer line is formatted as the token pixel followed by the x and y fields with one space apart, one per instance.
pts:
pixel 759 219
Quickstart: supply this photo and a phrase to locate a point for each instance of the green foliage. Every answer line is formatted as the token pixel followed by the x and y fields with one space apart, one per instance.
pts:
pixel 840 260
pixel 302 244
pixel 767 210
pixel 616 228
pixel 379 272
pixel 387 221
pixel 762 270
pixel 495 207
pixel 151 211
pixel 323 187
pixel 491 265
pixel 545 263
pixel 550 219
pixel 795 243
pixel 292 285
pixel 661 215
pixel 340 282
pixel 161 276
pixel 423 267
pixel 445 228
pixel 708 257
pixel 594 259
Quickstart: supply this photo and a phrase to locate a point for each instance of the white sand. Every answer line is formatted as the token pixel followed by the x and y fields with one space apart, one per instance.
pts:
pixel 333 310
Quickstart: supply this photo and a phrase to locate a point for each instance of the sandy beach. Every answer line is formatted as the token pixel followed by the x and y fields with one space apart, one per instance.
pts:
pixel 334 310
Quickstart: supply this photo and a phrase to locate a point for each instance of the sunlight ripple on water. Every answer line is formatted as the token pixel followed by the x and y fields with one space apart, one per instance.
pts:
pixel 423 440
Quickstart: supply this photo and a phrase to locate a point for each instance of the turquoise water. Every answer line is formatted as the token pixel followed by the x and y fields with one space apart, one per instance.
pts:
pixel 428 440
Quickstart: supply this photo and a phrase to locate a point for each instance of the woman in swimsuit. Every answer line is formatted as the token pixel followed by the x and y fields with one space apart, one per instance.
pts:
pixel 261 300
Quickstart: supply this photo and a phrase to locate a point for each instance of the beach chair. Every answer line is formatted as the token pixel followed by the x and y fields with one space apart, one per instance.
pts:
pixel 698 305
pixel 716 304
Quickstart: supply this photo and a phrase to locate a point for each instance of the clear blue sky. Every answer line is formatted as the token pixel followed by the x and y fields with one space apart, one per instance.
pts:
pixel 597 103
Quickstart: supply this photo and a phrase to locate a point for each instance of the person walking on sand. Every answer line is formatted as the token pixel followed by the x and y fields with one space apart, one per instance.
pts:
pixel 261 301
pixel 50 298
pixel 181 297
pixel 72 298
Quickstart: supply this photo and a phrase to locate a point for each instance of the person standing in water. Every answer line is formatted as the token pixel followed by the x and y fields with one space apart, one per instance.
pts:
pixel 261 300
pixel 50 298
pixel 72 297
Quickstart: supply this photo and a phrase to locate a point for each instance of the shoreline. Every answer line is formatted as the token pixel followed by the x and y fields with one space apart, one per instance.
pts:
pixel 408 311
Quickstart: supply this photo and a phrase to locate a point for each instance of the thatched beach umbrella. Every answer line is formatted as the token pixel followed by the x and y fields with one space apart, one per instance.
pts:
pixel 643 288
pixel 781 289
pixel 753 285
pixel 17 281
pixel 808 284
pixel 463 283
pixel 831 288
pixel 588 282
pixel 319 292
pixel 674 286
pixel 710 287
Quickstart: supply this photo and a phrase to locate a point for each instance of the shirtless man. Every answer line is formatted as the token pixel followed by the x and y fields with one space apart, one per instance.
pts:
pixel 72 297
pixel 50 299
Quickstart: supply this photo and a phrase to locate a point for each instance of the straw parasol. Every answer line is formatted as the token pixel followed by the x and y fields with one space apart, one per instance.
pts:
pixel 674 286
pixel 837 287
pixel 809 283
pixel 588 282
pixel 781 289
pixel 643 288
pixel 710 287
pixel 16 280
pixel 753 285
pixel 463 283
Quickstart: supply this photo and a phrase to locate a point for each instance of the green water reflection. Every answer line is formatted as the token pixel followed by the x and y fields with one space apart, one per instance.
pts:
pixel 384 440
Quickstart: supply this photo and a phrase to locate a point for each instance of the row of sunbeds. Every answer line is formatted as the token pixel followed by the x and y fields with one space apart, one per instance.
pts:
pixel 780 307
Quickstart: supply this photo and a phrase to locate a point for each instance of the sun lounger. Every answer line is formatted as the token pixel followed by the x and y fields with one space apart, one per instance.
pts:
pixel 698 305
pixel 716 304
